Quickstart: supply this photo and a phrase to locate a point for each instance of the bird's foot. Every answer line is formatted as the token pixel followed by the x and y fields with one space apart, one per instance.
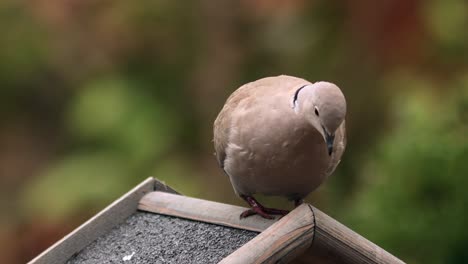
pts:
pixel 264 212
pixel 257 208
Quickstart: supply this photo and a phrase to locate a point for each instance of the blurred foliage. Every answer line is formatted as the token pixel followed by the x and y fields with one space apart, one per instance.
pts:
pixel 74 182
pixel 413 192
pixel 96 96
pixel 124 118
pixel 446 21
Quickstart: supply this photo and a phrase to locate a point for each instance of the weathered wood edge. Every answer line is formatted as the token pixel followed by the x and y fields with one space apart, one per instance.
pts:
pixel 162 187
pixel 201 210
pixel 99 224
pixel 280 243
pixel 336 243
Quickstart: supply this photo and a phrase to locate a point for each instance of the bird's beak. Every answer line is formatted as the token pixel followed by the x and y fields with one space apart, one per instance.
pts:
pixel 329 139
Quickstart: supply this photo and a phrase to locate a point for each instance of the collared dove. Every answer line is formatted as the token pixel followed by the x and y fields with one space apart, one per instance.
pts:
pixel 280 136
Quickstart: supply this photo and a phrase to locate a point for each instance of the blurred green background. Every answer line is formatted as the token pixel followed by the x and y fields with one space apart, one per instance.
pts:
pixel 97 95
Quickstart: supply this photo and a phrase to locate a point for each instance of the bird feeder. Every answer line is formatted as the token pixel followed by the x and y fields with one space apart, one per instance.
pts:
pixel 305 235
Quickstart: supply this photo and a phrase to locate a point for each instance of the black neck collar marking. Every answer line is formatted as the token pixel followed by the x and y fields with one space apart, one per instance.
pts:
pixel 296 94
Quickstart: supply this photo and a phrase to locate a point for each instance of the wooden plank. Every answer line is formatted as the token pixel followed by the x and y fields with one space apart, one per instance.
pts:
pixel 335 243
pixel 201 210
pixel 98 225
pixel 282 242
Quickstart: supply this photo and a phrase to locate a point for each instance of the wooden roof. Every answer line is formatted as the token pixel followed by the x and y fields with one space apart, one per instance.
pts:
pixel 304 235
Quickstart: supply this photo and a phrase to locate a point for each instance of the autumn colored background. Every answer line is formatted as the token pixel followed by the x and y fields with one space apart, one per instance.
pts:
pixel 97 95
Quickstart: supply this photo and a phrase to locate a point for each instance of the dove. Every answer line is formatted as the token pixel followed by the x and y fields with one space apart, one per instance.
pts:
pixel 280 136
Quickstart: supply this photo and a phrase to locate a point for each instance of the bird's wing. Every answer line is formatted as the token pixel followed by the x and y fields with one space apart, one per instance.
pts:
pixel 222 124
pixel 221 135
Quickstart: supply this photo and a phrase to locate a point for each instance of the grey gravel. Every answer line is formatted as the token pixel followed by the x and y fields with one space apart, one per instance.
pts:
pixel 153 238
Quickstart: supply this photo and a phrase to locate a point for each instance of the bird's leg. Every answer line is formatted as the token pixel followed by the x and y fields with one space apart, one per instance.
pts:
pixel 257 208
pixel 298 202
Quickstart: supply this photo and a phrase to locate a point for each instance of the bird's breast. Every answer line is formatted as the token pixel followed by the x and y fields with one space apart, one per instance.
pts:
pixel 278 162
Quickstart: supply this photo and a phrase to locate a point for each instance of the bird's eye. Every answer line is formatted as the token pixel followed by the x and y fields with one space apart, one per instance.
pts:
pixel 316 111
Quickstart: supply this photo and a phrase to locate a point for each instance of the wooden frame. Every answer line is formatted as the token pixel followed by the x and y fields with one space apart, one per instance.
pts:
pixel 201 210
pixel 99 224
pixel 305 235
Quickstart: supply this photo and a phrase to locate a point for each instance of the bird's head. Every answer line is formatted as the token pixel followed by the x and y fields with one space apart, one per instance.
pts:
pixel 324 106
